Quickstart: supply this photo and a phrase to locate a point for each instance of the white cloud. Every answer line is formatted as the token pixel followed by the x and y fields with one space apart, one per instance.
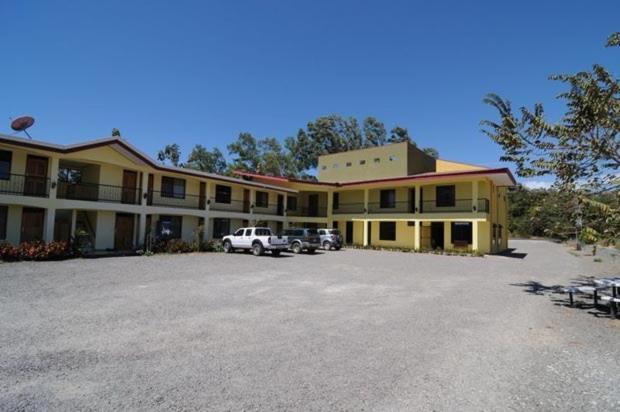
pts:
pixel 536 184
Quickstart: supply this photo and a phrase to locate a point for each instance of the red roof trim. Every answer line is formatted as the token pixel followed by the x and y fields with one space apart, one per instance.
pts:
pixel 388 179
pixel 437 176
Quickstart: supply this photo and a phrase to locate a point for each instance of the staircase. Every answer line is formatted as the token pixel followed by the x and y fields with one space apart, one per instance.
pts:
pixel 84 233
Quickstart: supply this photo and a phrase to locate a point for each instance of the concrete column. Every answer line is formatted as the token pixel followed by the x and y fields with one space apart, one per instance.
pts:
pixel 145 187
pixel 141 229
pixel 474 195
pixel 447 235
pixel 53 177
pixel 474 235
pixel 50 217
pixel 73 222
pixel 252 200
pixel 418 189
pixel 418 235
pixel 366 223
pixel 366 197
pixel 207 191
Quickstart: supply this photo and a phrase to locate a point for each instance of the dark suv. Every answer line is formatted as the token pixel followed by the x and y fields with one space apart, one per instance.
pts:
pixel 300 239
pixel 330 238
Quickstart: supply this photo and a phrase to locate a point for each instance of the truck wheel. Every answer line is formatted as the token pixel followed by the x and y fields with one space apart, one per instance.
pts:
pixel 228 246
pixel 296 248
pixel 327 245
pixel 257 249
pixel 275 252
pixel 311 251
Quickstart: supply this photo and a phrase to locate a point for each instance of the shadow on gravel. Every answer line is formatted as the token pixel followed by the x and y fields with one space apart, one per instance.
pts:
pixel 510 252
pixel 557 295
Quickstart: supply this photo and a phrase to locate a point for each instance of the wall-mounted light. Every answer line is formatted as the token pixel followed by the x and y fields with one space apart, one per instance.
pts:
pixel 208 201
pixel 474 208
pixel 54 185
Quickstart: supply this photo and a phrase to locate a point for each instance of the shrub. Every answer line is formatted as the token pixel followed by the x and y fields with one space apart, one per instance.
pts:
pixel 38 250
pixel 8 252
pixel 178 246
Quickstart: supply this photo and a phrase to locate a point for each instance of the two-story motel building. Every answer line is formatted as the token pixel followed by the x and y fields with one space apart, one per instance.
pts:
pixel 393 195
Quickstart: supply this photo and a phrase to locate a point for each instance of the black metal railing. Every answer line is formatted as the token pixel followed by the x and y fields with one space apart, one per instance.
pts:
pixel 24 185
pixel 95 192
pixel 232 205
pixel 304 211
pixel 167 199
pixel 271 209
pixel 391 207
pixel 460 205
pixel 349 208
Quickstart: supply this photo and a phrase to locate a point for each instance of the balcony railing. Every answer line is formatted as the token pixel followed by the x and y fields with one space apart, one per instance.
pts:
pixel 460 205
pixel 349 208
pixel 98 193
pixel 23 185
pixel 167 199
pixel 308 212
pixel 242 206
pixel 391 207
pixel 271 209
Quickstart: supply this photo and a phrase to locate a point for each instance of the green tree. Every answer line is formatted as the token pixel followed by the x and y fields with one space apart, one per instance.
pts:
pixel 171 153
pixel 244 152
pixel 431 151
pixel 400 134
pixel 205 160
pixel 374 132
pixel 301 150
pixel 274 160
pixel 582 150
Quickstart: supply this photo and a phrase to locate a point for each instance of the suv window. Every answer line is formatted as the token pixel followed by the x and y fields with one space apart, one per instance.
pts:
pixel 322 232
pixel 312 232
pixel 334 232
pixel 239 232
pixel 248 232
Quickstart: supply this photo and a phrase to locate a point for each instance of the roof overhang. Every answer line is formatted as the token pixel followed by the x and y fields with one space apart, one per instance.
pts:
pixel 134 154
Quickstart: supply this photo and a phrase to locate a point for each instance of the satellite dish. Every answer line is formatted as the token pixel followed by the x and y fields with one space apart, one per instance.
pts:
pixel 22 123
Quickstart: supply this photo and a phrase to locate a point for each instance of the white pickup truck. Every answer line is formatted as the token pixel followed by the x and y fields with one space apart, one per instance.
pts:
pixel 256 239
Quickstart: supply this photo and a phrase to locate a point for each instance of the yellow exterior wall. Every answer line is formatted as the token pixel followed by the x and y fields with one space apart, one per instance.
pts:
pixel 450 166
pixel 405 236
pixel 106 224
pixel 398 166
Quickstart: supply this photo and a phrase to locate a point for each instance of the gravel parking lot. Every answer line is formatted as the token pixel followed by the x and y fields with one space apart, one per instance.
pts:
pixel 347 330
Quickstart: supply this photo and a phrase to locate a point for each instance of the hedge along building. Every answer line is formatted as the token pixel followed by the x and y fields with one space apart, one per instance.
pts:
pixel 116 195
pixel 398 196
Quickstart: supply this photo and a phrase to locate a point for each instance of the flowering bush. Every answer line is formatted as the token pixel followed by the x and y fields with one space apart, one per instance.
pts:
pixel 8 252
pixel 35 250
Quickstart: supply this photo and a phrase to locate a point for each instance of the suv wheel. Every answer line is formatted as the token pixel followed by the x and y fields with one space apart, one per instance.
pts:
pixel 257 249
pixel 227 246
pixel 296 248
pixel 327 245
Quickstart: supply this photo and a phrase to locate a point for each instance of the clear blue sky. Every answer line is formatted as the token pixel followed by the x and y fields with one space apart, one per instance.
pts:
pixel 203 71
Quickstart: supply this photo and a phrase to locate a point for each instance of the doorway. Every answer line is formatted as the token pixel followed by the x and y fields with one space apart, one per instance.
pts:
pixel 349 233
pixel 130 183
pixel 246 201
pixel 33 220
pixel 123 232
pixel 313 205
pixel 280 210
pixel 35 182
pixel 437 233
pixel 369 232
